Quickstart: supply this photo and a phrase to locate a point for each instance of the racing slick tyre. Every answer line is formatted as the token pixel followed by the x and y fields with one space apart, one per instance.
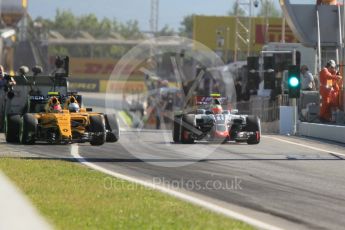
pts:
pixel 28 129
pixel 188 123
pixel 98 130
pixel 11 128
pixel 112 127
pixel 177 129
pixel 2 120
pixel 253 125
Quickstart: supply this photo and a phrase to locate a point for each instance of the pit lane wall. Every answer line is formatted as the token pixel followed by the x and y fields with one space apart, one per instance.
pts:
pixel 322 131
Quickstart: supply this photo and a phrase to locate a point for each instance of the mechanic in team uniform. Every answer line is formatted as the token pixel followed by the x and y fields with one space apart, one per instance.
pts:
pixel 308 82
pixel 6 81
pixel 329 90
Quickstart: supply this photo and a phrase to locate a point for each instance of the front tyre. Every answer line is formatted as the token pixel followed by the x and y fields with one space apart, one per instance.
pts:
pixel 28 129
pixel 11 128
pixel 188 126
pixel 98 130
pixel 112 127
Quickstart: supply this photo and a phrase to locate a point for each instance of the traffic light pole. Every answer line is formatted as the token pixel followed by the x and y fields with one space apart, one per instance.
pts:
pixel 293 104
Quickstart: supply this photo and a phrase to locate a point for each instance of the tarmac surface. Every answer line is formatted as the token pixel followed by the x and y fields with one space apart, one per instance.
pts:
pixel 288 182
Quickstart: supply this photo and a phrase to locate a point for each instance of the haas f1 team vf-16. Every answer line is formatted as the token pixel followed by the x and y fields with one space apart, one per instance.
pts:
pixel 210 122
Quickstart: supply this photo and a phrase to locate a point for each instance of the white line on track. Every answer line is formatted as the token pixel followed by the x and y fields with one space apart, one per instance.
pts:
pixel 306 146
pixel 17 211
pixel 175 193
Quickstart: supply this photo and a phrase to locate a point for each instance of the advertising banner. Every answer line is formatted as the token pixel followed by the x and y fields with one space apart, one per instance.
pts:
pixel 84 85
pixel 101 68
pixel 218 32
pixel 122 86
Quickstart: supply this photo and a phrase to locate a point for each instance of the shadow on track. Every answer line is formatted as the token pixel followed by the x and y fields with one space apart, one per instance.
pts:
pixel 135 160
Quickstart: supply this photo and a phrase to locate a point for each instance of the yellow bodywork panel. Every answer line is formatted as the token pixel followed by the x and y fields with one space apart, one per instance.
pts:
pixel 82 119
pixel 60 120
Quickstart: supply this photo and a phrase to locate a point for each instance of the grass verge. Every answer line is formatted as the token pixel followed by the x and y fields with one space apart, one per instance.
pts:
pixel 73 196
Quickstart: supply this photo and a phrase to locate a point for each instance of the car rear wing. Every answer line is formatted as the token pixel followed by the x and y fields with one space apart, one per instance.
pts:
pixel 208 100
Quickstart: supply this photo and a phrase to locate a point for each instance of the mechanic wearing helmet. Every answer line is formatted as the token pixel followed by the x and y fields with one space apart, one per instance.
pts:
pixel 329 90
pixel 6 81
pixel 53 105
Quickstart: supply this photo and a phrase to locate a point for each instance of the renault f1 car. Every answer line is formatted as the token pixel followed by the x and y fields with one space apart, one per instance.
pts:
pixel 47 121
pixel 211 123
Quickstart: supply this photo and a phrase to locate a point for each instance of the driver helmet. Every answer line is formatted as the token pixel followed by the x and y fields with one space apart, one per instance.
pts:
pixel 217 109
pixel 73 107
pixel 56 108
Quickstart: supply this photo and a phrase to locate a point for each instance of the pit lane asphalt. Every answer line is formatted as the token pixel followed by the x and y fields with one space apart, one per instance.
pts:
pixel 300 186
pixel 289 186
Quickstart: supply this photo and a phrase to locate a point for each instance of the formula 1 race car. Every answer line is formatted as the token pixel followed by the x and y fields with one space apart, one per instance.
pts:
pixel 211 123
pixel 55 125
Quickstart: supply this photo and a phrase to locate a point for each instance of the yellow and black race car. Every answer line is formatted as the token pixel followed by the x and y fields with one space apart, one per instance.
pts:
pixel 67 124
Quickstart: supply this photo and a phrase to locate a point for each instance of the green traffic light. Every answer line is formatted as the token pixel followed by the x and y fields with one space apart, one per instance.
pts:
pixel 293 82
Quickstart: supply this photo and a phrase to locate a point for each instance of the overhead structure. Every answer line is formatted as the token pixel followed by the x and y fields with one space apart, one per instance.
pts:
pixel 322 30
pixel 154 16
pixel 307 30
pixel 243 29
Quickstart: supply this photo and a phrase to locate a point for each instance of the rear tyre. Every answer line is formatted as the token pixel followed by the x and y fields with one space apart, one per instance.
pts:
pixel 2 120
pixel 253 125
pixel 188 123
pixel 98 130
pixel 112 126
pixel 11 128
pixel 28 129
